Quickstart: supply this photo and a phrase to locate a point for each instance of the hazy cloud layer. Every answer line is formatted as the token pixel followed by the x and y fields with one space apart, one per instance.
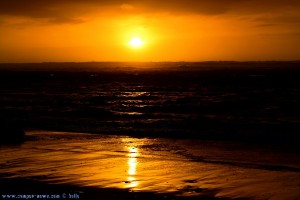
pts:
pixel 69 10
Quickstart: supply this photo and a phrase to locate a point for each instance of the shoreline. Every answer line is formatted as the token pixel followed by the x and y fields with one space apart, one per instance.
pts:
pixel 274 144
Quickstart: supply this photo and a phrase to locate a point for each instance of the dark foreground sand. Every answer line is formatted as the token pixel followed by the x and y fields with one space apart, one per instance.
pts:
pixel 21 186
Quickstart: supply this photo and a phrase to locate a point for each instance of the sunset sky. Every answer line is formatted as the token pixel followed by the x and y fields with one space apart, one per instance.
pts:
pixel 164 30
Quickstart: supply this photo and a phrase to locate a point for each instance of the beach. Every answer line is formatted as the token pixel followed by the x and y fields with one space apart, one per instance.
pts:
pixel 155 167
pixel 211 130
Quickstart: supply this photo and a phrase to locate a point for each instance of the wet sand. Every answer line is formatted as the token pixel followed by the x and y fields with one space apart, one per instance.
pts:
pixel 21 186
pixel 122 167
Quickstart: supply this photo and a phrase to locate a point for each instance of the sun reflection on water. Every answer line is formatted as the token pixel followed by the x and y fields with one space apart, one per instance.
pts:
pixel 132 167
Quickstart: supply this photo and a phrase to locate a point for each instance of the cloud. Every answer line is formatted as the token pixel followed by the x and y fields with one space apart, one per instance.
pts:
pixel 55 12
pixel 71 10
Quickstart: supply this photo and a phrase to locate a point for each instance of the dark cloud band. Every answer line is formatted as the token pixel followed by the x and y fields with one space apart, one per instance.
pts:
pixel 71 9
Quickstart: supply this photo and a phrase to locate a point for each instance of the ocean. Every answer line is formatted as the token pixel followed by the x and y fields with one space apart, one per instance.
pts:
pixel 244 101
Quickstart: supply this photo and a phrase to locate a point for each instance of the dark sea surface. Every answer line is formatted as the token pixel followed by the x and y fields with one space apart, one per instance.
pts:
pixel 235 101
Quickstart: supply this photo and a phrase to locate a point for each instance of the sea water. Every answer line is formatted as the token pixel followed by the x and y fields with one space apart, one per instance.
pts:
pixel 249 101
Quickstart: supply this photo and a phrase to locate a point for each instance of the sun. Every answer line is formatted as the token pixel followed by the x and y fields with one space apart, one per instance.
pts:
pixel 136 42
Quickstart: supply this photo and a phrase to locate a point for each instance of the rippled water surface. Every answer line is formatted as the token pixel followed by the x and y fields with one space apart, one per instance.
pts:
pixel 256 101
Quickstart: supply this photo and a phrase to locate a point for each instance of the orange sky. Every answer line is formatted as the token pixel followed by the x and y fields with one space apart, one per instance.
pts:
pixel 95 30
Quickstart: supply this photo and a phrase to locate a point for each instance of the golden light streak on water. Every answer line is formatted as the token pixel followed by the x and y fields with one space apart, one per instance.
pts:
pixel 132 166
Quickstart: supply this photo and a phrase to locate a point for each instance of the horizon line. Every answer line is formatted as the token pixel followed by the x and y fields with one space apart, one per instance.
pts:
pixel 236 61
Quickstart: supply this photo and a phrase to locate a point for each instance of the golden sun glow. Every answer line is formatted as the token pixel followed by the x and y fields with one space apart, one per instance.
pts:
pixel 136 42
